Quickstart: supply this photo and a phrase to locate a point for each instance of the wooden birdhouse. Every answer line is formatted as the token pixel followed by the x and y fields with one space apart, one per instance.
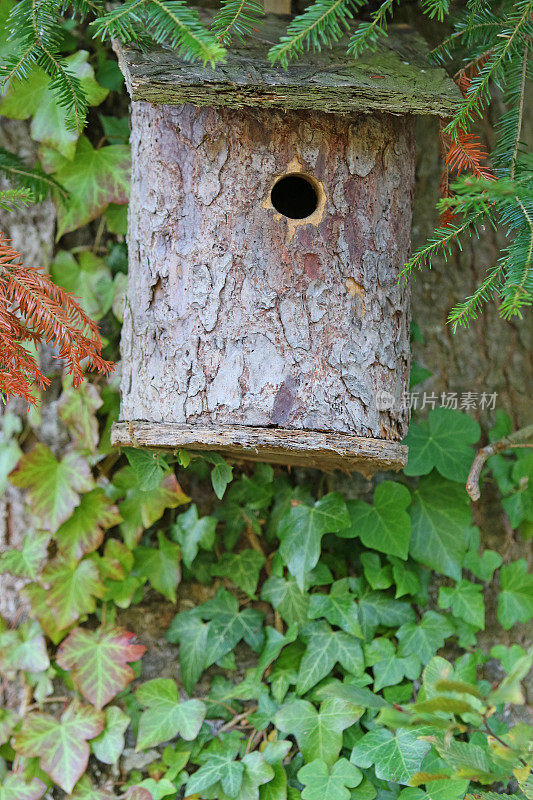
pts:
pixel 270 217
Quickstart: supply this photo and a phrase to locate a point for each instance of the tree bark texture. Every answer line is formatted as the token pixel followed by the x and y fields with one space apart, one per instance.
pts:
pixel 237 315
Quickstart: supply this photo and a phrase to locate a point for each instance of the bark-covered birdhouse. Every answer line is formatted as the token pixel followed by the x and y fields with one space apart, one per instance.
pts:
pixel 269 220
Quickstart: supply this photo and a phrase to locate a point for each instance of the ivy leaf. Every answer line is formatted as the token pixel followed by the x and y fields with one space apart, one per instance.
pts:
pixel 377 576
pixel 302 529
pixel 165 717
pixel 139 510
pixel 324 783
pixel 424 638
pixel 149 467
pixel 338 607
pixel 93 179
pixel 466 602
pixel 13 787
pixel 193 533
pixel 515 601
pixel 83 531
pixel 276 788
pixel 26 562
pixel 35 98
pixel 287 598
pixel 109 744
pixel 10 454
pixel 442 442
pixel 318 733
pixel 440 519
pixel 190 632
pixel 325 648
pixel 376 608
pixel 98 661
pixel 88 278
pixel 388 668
pixel 77 408
pixel 483 565
pixel 8 720
pixel 229 625
pixel 61 745
pixel 221 474
pixel 396 757
pixel 24 648
pixel 219 767
pixel 161 566
pixel 257 772
pixel 72 590
pixel 138 793
pixel 84 790
pixel 385 525
pixel 52 485
pixel 242 569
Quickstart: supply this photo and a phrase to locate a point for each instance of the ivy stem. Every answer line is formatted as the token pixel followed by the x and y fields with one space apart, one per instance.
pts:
pixel 500 741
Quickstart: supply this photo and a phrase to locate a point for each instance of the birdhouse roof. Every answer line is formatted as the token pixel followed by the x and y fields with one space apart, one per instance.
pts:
pixel 397 78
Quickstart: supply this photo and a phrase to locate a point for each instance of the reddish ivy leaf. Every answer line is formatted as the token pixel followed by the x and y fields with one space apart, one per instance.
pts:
pixel 61 745
pixel 99 660
pixel 72 589
pixel 14 788
pixel 52 485
pixel 84 790
pixel 83 532
pixel 37 596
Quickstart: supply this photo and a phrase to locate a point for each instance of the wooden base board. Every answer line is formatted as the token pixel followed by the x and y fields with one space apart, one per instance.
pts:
pixel 312 449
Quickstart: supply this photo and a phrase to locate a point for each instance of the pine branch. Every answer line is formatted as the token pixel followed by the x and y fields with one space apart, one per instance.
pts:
pixel 36 181
pixel 236 17
pixel 15 199
pixel 367 34
pixel 436 8
pixel 440 243
pixel 467 311
pixel 165 21
pixel 322 23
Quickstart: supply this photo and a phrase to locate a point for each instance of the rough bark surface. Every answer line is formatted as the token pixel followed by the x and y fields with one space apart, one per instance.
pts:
pixel 237 315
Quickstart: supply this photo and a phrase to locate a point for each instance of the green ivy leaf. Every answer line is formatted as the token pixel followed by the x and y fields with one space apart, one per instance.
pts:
pixel 150 467
pixel 24 648
pixel 139 510
pixel 84 790
pixel 26 562
pixel 376 608
pixel 221 474
pixel 515 601
pixel 338 607
pixel 241 568
pixel 276 788
pixel 302 529
pixel 388 667
pixel 52 485
pixel 385 525
pixel 83 531
pixel 377 576
pixel 193 533
pixel 287 598
pixel 161 566
pixel 77 408
pixel 325 648
pixel 318 733
pixel 13 787
pixel 72 589
pixel 61 745
pixel 218 767
pixel 466 602
pixel 442 442
pixel 10 454
pixel 329 783
pixel 483 565
pixel 396 757
pixel 88 278
pixel 229 625
pixel 93 179
pixel 424 638
pixel 190 632
pixel 257 772
pixel 108 745
pixel 440 518
pixel 35 98
pixel 98 661
pixel 165 717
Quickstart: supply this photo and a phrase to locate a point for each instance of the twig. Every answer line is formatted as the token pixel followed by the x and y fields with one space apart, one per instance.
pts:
pixel 236 719
pixel 520 438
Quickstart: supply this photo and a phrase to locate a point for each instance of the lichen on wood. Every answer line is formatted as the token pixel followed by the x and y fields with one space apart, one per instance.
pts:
pixel 396 78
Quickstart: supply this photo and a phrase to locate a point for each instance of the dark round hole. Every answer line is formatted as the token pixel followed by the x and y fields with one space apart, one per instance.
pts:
pixel 294 196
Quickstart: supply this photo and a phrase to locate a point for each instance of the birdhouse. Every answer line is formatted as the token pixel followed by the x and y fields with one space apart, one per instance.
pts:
pixel 269 220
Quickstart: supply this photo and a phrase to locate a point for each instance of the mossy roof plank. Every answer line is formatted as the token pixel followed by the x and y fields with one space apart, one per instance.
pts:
pixel 396 78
